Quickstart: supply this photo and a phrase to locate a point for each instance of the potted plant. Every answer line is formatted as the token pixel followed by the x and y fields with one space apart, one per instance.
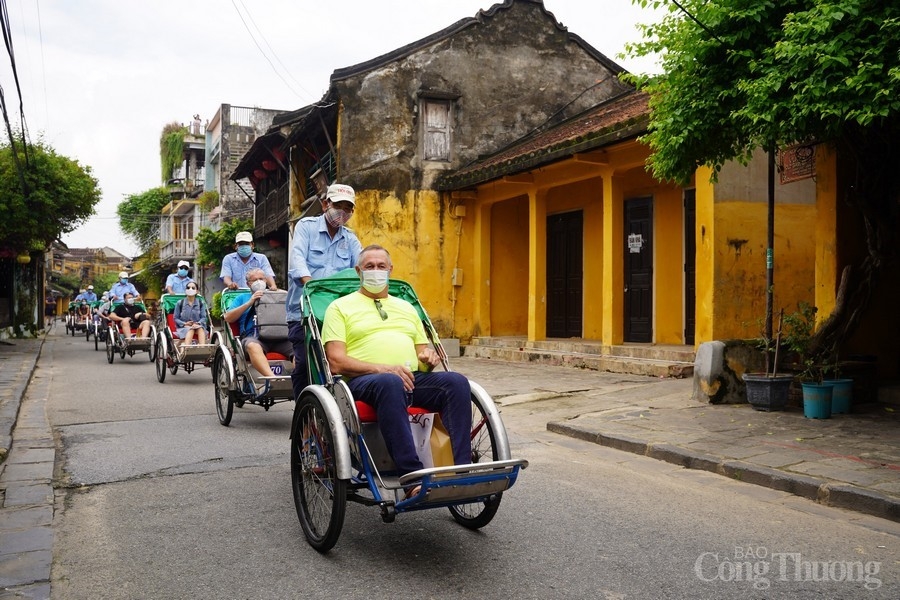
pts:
pixel 768 391
pixel 811 362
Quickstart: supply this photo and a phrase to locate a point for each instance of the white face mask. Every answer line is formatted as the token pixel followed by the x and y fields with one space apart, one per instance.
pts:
pixel 374 281
pixel 258 285
pixel 129 301
pixel 191 292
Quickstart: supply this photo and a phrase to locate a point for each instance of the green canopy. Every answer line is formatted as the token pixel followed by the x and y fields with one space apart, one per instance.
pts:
pixel 320 293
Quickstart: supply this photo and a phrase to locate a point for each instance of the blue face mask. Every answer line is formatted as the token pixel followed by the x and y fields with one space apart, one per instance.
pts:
pixel 182 272
pixel 123 280
pixel 244 251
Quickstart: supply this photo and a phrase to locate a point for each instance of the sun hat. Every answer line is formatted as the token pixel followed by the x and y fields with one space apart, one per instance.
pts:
pixel 338 192
pixel 243 236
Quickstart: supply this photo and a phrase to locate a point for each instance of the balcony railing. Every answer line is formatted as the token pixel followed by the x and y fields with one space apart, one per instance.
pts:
pixel 272 211
pixel 178 249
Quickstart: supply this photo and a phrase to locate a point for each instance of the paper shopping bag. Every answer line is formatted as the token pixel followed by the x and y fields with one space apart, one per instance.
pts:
pixel 421 426
pixel 441 451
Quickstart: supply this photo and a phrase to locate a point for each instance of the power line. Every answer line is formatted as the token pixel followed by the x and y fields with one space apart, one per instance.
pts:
pixel 263 52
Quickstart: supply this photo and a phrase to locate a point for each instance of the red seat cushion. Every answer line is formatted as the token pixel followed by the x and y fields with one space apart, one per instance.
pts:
pixel 367 414
pixel 170 321
pixel 275 356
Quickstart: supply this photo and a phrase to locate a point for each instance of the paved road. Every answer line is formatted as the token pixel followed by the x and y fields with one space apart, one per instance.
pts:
pixel 159 501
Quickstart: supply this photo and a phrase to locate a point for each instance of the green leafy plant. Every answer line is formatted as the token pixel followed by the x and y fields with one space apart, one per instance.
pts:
pixel 215 306
pixel 139 216
pixel 171 148
pixel 208 200
pixel 799 336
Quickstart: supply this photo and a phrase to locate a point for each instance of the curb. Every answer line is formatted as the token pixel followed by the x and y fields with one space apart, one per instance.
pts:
pixel 822 491
pixel 11 399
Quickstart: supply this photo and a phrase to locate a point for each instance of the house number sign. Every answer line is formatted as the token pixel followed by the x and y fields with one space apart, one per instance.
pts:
pixel 635 243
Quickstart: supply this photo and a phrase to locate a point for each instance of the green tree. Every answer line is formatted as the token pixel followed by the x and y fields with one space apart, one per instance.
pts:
pixel 741 75
pixel 139 216
pixel 59 195
pixel 171 148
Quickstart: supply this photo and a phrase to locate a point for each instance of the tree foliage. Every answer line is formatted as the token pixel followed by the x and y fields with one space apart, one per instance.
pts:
pixel 171 148
pixel 212 246
pixel 741 75
pixel 139 216
pixel 59 195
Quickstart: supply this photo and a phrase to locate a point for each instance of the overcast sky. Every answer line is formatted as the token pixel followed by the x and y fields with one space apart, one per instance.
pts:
pixel 100 78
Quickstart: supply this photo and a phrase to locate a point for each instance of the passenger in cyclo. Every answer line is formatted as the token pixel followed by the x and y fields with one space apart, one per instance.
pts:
pixel 321 246
pixel 129 317
pixel 241 309
pixel 190 316
pixel 83 310
pixel 369 338
pixel 177 282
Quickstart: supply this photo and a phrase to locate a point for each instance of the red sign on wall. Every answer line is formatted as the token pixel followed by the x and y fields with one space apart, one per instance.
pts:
pixel 797 162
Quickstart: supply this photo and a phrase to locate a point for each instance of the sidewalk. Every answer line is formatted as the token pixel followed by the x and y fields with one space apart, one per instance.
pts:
pixel 850 461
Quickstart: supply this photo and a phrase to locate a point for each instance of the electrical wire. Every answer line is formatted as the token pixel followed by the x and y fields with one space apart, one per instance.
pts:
pixel 268 60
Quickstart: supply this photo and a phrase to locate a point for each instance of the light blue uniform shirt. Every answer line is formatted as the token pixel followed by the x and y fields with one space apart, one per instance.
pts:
pixel 89 296
pixel 178 283
pixel 118 290
pixel 316 254
pixel 235 267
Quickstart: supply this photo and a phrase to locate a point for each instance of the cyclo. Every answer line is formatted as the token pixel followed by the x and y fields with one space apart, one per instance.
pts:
pixel 338 453
pixel 236 380
pixel 78 317
pixel 95 325
pixel 117 343
pixel 171 352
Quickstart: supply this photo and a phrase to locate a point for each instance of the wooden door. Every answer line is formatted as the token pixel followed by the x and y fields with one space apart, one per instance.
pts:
pixel 565 247
pixel 639 270
pixel 690 265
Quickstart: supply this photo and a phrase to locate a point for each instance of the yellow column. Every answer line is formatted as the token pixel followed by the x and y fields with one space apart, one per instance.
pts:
pixel 537 264
pixel 704 330
pixel 482 269
pixel 613 260
pixel 826 266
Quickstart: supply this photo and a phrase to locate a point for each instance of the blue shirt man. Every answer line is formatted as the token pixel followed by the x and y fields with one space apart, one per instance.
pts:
pixel 321 246
pixel 235 265
pixel 120 288
pixel 176 283
pixel 89 294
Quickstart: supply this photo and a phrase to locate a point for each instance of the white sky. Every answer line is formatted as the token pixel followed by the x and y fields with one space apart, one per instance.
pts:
pixel 100 78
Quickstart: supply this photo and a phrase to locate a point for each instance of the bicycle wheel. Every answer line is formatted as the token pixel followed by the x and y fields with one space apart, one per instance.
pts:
pixel 475 515
pixel 160 359
pixel 110 350
pixel 319 496
pixel 224 397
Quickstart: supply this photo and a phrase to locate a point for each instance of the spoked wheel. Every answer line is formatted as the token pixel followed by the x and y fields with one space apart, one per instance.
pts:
pixel 224 397
pixel 96 338
pixel 110 349
pixel 475 515
pixel 160 360
pixel 319 496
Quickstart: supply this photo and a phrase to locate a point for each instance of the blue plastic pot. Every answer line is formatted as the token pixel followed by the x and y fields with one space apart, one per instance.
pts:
pixel 817 400
pixel 841 395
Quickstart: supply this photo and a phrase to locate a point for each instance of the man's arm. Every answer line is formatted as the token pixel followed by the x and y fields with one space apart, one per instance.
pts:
pixel 298 269
pixel 233 314
pixel 341 362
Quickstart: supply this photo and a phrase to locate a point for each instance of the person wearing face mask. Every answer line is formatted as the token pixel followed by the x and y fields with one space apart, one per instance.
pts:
pixel 236 265
pixel 120 288
pixel 190 316
pixel 129 316
pixel 240 309
pixel 321 246
pixel 370 337
pixel 177 282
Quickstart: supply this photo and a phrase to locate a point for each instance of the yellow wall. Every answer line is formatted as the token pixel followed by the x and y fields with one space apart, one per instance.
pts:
pixel 509 268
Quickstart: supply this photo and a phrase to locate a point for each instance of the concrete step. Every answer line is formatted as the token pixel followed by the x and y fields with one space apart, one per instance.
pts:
pixel 594 361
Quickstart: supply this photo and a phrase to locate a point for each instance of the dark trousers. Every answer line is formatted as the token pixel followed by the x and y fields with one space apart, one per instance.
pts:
pixel 442 392
pixel 297 338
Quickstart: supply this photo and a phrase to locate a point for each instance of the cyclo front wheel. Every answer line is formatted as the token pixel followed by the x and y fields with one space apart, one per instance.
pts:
pixel 475 515
pixel 319 496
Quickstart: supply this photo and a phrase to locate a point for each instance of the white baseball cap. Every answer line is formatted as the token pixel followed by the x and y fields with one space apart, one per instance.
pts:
pixel 243 236
pixel 338 192
pixel 123 274
pixel 184 263
pixel 90 287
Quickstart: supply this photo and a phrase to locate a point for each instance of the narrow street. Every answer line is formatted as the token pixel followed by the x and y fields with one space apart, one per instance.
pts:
pixel 160 501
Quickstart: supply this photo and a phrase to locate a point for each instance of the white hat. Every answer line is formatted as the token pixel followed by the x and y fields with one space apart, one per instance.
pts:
pixel 243 236
pixel 123 274
pixel 90 287
pixel 184 263
pixel 338 192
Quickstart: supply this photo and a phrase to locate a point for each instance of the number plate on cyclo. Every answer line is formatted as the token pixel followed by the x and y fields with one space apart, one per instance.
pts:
pixel 277 369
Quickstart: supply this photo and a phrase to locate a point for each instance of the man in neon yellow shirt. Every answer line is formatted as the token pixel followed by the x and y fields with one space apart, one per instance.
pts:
pixel 369 338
